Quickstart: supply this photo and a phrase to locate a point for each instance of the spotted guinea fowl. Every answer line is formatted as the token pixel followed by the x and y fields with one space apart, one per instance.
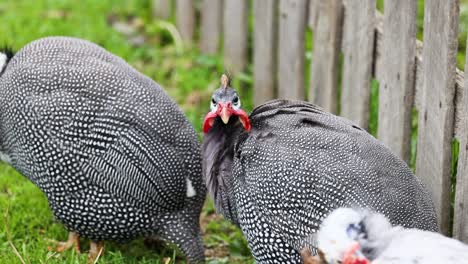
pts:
pixel 113 153
pixel 278 172
pixel 357 236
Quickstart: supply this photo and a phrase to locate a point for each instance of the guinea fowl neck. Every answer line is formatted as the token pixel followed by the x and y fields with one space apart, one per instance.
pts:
pixel 218 154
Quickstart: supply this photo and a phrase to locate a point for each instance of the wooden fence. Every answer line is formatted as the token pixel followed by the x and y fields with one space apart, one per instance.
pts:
pixel 371 45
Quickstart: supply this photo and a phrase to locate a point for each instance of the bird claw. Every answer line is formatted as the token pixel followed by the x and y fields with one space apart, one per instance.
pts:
pixel 95 251
pixel 73 240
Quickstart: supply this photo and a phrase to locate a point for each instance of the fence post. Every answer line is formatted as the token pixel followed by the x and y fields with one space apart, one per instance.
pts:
pixel 436 116
pixel 314 13
pixel 396 93
pixel 162 9
pixel 235 35
pixel 358 47
pixel 265 37
pixel 326 54
pixel 211 23
pixel 460 221
pixel 185 17
pixel 292 25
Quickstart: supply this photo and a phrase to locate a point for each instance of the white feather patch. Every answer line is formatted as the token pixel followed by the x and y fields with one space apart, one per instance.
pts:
pixel 3 61
pixel 190 190
pixel 4 157
pixel 332 237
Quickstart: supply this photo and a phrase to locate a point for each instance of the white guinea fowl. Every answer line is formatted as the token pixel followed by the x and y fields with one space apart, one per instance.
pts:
pixel 354 236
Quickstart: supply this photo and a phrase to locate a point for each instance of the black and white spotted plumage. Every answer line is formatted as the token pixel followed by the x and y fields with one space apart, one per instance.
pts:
pixel 281 179
pixel 113 153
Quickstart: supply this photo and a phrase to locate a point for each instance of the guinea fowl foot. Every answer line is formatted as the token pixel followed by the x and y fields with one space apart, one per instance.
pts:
pixel 309 259
pixel 73 240
pixel 95 251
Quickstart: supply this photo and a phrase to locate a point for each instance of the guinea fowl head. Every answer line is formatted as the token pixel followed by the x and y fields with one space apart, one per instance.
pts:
pixel 225 105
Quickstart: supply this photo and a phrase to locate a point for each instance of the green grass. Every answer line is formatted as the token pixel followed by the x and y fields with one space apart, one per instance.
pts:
pixel 186 75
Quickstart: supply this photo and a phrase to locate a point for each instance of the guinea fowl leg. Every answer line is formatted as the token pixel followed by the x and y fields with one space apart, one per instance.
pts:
pixel 73 240
pixel 95 251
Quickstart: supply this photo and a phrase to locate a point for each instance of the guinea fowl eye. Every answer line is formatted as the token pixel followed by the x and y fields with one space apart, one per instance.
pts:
pixel 235 100
pixel 213 101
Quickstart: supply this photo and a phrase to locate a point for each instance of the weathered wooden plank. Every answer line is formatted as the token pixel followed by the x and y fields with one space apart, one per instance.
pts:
pixel 380 68
pixel 460 221
pixel 162 8
pixel 314 13
pixel 460 111
pixel 211 24
pixel 419 76
pixel 397 84
pixel 235 35
pixel 292 25
pixel 326 54
pixel 436 116
pixel 265 38
pixel 185 18
pixel 358 47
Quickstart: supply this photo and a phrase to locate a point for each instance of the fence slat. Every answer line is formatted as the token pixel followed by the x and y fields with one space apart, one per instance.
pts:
pixel 380 67
pixel 265 36
pixel 326 53
pixel 235 35
pixel 211 23
pixel 460 221
pixel 436 116
pixel 358 42
pixel 314 13
pixel 396 93
pixel 292 25
pixel 185 16
pixel 162 9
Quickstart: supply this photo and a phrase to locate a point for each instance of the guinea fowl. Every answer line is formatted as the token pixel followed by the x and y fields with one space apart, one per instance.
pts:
pixel 114 155
pixel 356 236
pixel 278 172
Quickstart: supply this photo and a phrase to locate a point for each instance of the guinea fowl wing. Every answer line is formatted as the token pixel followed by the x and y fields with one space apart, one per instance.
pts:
pixel 298 163
pixel 105 132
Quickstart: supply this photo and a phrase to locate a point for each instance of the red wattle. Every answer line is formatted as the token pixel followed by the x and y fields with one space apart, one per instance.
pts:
pixel 208 121
pixel 210 117
pixel 244 119
pixel 350 256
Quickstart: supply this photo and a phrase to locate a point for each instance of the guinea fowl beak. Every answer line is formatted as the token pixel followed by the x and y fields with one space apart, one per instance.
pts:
pixel 226 112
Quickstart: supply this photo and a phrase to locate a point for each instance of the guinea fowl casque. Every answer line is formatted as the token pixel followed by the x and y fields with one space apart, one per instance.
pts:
pixel 280 171
pixel 114 155
pixel 356 236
